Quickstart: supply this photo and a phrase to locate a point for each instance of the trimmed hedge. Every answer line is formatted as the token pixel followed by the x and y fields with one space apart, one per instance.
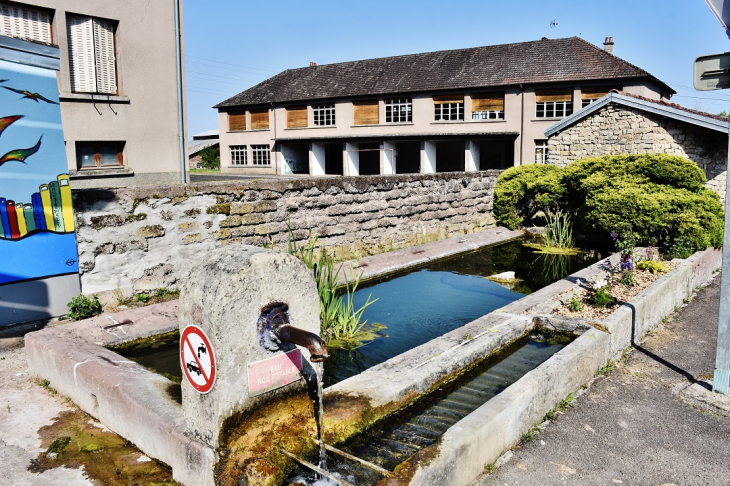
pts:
pixel 660 198
pixel 522 191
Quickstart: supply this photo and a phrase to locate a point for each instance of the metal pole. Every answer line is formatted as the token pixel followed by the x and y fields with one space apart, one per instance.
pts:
pixel 180 108
pixel 721 379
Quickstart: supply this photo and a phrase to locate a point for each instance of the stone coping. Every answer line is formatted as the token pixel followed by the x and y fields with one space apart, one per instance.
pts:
pixel 395 261
pixel 131 400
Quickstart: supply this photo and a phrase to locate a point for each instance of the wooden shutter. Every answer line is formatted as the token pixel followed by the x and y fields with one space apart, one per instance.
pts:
pixel 593 93
pixel 366 112
pixel 296 117
pixel 553 95
pixel 440 100
pixel 260 120
pixel 236 122
pixel 25 23
pixel 106 75
pixel 81 47
pixel 487 102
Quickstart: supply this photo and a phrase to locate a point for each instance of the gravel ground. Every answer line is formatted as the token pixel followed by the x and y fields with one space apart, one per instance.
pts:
pixel 25 407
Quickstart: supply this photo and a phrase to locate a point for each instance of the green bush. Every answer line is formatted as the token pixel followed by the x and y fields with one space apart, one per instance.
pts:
pixel 659 198
pixel 209 158
pixel 82 307
pixel 522 191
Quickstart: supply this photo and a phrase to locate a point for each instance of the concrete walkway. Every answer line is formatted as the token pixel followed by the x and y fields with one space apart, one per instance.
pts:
pixel 651 421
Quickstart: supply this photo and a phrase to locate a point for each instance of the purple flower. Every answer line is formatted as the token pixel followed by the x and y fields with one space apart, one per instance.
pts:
pixel 613 236
pixel 627 263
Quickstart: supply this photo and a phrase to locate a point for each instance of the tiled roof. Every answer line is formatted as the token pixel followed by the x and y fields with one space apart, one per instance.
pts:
pixel 198 145
pixel 544 61
pixel 674 105
pixel 661 108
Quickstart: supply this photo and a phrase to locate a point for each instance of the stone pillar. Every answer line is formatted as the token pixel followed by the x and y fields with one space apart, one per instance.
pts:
pixel 472 156
pixel 316 160
pixel 224 295
pixel 428 158
pixel 352 159
pixel 387 158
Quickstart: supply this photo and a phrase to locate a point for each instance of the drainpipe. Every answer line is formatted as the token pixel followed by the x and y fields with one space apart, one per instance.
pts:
pixel 180 117
pixel 522 120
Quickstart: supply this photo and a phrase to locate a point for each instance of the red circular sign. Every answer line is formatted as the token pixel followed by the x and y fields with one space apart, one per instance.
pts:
pixel 197 359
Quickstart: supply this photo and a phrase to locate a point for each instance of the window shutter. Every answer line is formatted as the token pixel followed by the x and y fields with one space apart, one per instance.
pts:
pixel 366 112
pixel 296 117
pixel 106 76
pixel 236 122
pixel 25 23
pixel 81 46
pixel 553 95
pixel 593 93
pixel 260 120
pixel 441 100
pixel 487 102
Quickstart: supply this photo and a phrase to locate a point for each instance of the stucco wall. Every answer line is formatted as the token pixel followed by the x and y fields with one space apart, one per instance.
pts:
pixel 520 122
pixel 615 130
pixel 147 238
pixel 144 113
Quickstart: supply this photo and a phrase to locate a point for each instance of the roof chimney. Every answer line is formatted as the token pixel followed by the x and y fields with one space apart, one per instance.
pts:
pixel 608 45
pixel 312 64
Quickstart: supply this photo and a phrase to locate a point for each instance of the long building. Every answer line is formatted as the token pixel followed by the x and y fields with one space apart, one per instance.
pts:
pixel 458 110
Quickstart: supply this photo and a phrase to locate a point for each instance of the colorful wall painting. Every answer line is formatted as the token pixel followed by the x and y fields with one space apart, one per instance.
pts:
pixel 37 237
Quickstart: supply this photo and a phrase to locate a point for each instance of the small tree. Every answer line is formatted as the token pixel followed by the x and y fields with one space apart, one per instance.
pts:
pixel 209 158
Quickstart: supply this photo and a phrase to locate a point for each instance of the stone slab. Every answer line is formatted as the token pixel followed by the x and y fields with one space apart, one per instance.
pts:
pixel 224 296
pixel 398 260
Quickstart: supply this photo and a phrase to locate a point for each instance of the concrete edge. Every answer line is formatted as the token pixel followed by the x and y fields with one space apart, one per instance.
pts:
pixel 124 396
pixel 482 436
pixel 416 370
pixel 376 266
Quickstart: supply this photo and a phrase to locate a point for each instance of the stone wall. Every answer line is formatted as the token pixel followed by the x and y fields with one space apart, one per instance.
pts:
pixel 137 239
pixel 615 130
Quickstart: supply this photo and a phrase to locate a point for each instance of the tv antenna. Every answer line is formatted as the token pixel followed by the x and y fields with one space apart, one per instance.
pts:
pixel 553 23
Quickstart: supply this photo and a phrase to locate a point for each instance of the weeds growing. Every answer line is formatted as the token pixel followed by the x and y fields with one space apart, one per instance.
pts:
pixel 341 323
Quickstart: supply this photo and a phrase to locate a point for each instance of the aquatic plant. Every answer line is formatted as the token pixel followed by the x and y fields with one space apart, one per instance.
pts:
pixel 558 230
pixel 341 323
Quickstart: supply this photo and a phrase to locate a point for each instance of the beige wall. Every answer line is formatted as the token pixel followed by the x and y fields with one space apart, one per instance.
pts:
pixel 520 118
pixel 144 114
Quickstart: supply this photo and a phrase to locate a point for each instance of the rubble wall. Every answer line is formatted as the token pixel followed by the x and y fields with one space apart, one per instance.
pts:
pixel 138 239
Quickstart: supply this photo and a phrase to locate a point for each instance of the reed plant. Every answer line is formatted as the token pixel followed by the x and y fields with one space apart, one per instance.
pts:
pixel 558 230
pixel 341 323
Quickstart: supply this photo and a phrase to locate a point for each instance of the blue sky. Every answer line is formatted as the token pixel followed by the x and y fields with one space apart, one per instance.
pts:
pixel 232 45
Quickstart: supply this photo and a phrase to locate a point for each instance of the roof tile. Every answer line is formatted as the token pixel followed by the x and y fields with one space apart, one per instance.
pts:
pixel 543 61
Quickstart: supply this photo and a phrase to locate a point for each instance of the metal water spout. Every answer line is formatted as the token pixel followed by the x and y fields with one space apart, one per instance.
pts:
pixel 274 319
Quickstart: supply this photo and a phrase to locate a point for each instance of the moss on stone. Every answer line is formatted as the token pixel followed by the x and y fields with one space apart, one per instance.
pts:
pixel 221 208
pixel 75 440
pixel 152 231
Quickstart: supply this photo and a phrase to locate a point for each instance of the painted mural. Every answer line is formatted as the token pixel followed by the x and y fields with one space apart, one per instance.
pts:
pixel 36 218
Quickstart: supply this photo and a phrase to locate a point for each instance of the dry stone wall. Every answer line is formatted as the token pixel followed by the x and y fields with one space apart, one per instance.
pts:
pixel 138 239
pixel 615 130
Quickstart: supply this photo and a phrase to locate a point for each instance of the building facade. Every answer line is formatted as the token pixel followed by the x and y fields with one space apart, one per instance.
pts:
pixel 118 85
pixel 462 110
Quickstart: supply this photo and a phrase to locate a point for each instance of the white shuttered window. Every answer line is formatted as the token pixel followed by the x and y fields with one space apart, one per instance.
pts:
pixel 25 23
pixel 91 46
